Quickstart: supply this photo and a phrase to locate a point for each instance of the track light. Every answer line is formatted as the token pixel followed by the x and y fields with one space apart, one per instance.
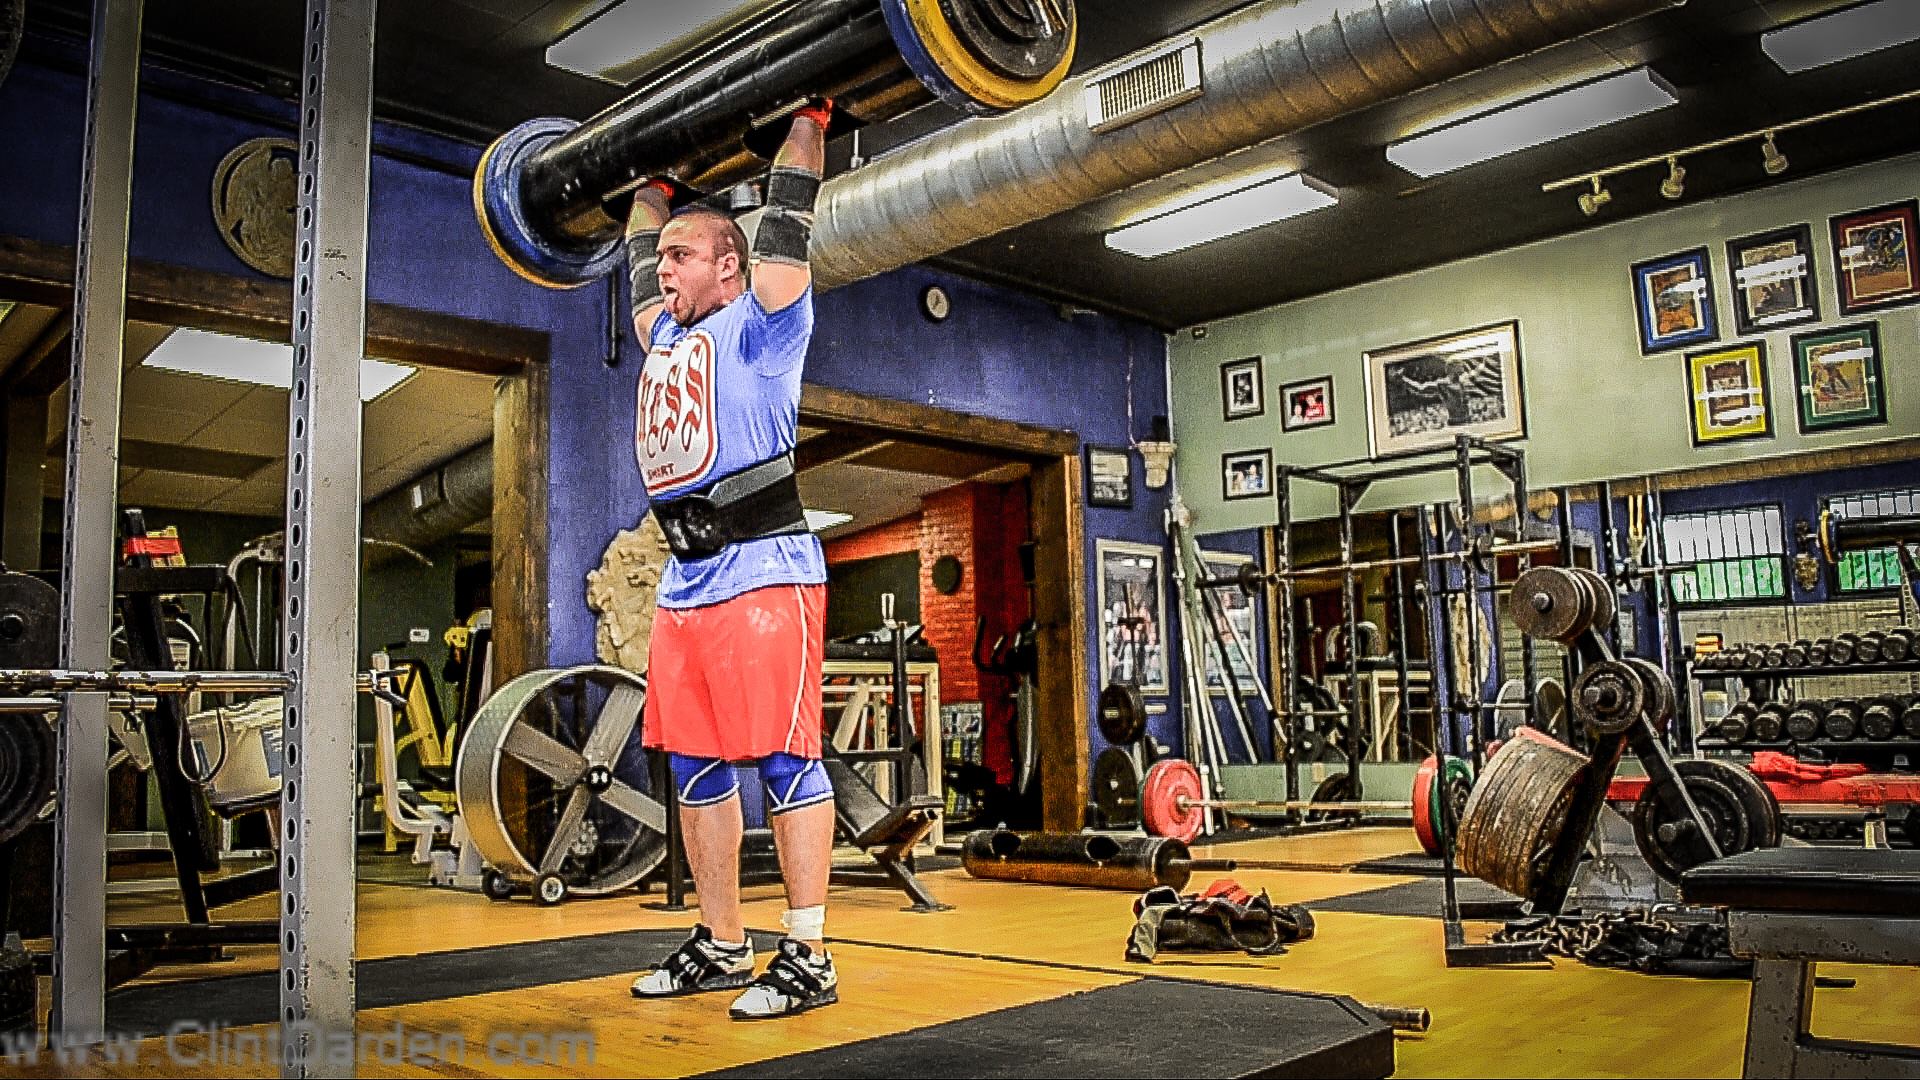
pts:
pixel 1675 185
pixel 1771 159
pixel 1592 201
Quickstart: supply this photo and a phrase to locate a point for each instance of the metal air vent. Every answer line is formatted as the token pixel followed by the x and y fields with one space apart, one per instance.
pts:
pixel 1144 85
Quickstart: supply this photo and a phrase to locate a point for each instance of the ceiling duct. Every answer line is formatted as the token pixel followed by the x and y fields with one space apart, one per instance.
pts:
pixel 1265 71
pixel 430 507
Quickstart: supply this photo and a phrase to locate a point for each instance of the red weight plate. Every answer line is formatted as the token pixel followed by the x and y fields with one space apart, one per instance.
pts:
pixel 1169 801
pixel 1423 828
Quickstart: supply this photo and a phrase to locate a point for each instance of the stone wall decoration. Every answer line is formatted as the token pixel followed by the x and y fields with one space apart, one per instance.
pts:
pixel 622 592
pixel 254 196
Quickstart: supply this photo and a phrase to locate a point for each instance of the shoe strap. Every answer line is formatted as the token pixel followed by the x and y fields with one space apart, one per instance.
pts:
pixel 791 978
pixel 694 961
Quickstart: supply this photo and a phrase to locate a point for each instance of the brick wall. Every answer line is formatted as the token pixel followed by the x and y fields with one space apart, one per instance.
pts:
pixel 890 539
pixel 946 528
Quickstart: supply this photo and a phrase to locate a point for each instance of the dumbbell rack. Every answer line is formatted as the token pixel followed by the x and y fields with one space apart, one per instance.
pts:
pixel 1807 800
pixel 1833 748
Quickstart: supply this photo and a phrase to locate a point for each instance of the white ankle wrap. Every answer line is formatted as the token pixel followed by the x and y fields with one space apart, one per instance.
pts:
pixel 805 924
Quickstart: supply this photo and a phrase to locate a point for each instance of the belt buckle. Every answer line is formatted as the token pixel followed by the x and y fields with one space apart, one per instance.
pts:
pixel 693 528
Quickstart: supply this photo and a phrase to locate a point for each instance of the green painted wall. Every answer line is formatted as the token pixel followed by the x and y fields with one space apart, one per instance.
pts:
pixel 1596 408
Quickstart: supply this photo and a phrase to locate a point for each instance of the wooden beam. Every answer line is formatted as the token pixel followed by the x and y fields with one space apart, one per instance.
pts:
pixel 908 420
pixel 249 307
pixel 520 523
pixel 1060 609
pixel 834 447
pixel 46 364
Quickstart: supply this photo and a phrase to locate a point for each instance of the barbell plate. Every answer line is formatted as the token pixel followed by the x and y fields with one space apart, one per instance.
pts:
pixel 28 764
pixel 1622 697
pixel 1549 602
pixel 1170 800
pixel 1116 788
pixel 1714 794
pixel 1604 606
pixel 503 219
pixel 1659 690
pixel 1517 809
pixel 1426 805
pixel 1123 714
pixel 1252 579
pixel 29 623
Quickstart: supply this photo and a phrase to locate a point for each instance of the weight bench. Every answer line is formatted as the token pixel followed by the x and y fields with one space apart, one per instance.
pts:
pixel 883 830
pixel 1789 908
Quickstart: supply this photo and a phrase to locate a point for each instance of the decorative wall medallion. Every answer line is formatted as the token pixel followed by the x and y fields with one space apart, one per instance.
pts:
pixel 254 195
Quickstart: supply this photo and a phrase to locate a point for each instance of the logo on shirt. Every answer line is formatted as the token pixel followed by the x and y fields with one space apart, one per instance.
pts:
pixel 674 437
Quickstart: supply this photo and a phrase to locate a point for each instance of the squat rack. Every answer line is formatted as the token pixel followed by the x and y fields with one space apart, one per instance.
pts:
pixel 1351 480
pixel 323 515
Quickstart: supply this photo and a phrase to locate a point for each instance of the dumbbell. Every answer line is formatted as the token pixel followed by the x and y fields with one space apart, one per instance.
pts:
pixel 1842 651
pixel 1841 721
pixel 1797 654
pixel 1867 649
pixel 1820 654
pixel 1910 718
pixel 1753 656
pixel 1881 718
pixel 1738 722
pixel 1803 721
pixel 1776 656
pixel 1770 723
pixel 1897 646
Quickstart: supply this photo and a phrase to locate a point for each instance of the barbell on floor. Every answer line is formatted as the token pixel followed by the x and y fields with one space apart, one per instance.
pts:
pixel 1173 802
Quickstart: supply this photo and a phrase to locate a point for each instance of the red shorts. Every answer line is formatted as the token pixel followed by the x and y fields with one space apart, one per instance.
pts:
pixel 740 679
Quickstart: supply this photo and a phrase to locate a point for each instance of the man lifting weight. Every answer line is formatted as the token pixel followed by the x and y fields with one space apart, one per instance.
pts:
pixel 734 667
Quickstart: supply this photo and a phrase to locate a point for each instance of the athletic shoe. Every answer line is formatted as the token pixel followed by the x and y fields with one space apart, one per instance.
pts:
pixel 698 966
pixel 794 982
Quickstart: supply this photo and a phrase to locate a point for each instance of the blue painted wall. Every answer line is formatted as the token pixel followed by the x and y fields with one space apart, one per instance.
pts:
pixel 1001 353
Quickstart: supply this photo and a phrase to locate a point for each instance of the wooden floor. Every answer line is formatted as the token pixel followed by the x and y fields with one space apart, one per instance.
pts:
pixel 1007 945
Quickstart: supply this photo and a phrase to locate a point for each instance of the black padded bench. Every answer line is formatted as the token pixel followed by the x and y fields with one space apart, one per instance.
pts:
pixel 1789 908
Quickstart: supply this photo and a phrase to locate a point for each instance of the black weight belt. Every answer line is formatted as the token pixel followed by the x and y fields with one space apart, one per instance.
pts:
pixel 759 501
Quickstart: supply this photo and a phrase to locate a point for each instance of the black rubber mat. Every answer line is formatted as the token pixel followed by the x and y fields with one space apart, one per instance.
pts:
pixel 232 1000
pixel 1149 1027
pixel 1417 898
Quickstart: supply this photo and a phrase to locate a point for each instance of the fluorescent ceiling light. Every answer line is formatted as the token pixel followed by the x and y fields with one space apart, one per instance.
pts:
pixel 611 44
pixel 1249 207
pixel 822 520
pixel 262 363
pixel 1842 35
pixel 1531 123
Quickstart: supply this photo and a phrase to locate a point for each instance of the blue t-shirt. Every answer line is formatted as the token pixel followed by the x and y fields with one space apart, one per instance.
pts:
pixel 715 398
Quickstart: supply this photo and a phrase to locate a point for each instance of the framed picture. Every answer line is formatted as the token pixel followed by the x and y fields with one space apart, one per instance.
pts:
pixel 1423 394
pixel 1773 280
pixel 1674 296
pixel 1874 257
pixel 1110 476
pixel 1236 615
pixel 1838 379
pixel 1133 622
pixel 1246 474
pixel 1728 389
pixel 1306 404
pixel 1242 389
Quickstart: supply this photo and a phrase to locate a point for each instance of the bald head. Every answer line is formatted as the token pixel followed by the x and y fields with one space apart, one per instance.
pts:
pixel 703 263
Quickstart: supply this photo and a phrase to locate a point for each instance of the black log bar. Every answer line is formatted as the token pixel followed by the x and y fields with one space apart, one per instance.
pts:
pixel 691 121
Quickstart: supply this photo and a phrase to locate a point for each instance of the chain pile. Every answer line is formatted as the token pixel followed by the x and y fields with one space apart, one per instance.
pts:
pixel 1649 940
